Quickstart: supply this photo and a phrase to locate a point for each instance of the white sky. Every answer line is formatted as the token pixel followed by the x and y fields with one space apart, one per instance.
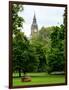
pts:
pixel 45 15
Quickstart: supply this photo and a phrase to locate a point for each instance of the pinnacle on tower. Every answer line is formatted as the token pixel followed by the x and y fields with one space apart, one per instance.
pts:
pixel 34 18
pixel 34 26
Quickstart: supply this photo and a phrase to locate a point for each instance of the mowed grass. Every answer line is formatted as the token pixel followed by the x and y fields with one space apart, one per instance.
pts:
pixel 40 78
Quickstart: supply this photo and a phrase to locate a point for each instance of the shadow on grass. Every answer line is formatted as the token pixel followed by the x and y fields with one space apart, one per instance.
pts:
pixel 49 75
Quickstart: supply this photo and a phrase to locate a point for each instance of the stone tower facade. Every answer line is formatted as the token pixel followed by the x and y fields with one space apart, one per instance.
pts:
pixel 34 27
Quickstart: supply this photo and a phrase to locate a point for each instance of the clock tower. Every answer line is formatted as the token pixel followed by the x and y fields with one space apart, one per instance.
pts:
pixel 34 27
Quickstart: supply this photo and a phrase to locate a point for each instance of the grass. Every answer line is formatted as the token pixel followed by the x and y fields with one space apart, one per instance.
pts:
pixel 40 78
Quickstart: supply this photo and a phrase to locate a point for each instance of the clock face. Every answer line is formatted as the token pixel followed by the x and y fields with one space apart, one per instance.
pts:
pixel 35 30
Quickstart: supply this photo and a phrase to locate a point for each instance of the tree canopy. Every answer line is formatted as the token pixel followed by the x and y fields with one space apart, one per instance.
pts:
pixel 43 53
pixel 24 56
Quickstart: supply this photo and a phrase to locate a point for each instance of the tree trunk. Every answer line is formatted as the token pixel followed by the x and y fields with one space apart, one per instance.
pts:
pixel 19 72
pixel 24 74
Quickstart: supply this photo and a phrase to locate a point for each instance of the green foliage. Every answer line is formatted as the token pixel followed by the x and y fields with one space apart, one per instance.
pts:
pixel 49 46
pixel 56 54
pixel 24 56
pixel 41 45
pixel 65 18
pixel 40 56
pixel 19 45
pixel 45 52
pixel 17 21
pixel 30 60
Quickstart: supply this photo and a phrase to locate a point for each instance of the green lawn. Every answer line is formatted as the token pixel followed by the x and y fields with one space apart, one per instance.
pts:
pixel 40 78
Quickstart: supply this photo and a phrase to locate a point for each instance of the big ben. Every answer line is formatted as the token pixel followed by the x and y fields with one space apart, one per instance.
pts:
pixel 34 27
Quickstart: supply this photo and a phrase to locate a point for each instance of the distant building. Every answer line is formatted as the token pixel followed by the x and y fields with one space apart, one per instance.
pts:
pixel 34 27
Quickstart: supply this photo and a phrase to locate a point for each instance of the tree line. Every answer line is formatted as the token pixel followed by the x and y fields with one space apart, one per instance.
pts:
pixel 43 53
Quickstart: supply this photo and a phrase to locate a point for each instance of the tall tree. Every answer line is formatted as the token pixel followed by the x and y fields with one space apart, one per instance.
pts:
pixel 41 44
pixel 56 55
pixel 65 17
pixel 17 24
pixel 24 57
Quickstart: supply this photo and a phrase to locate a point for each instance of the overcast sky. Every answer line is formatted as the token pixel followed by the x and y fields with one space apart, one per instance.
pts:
pixel 45 15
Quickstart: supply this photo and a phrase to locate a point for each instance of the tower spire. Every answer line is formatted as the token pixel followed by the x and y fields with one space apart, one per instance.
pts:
pixel 34 18
pixel 34 26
